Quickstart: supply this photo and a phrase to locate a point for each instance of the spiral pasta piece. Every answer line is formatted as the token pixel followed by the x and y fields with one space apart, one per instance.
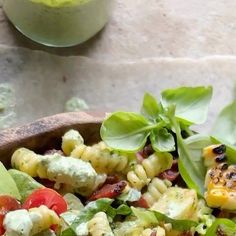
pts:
pixel 155 189
pixel 26 161
pixel 99 225
pixel 62 170
pixel 70 140
pixel 159 231
pixel 152 166
pixel 42 219
pixel 102 160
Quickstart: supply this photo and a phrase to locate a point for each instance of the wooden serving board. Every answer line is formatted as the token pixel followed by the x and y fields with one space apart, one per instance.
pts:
pixel 46 133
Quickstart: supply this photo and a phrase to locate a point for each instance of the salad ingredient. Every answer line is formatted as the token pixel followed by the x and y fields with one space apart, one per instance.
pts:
pixel 214 154
pixel 224 127
pixel 191 103
pixel 126 131
pixel 109 191
pixel 191 165
pixel 25 183
pixel 63 170
pixel 129 195
pixel 149 217
pixel 99 225
pixel 155 190
pixel 73 202
pixel 18 223
pixel 222 227
pixel 47 197
pixel 150 167
pixel 102 159
pixel 7 184
pixel 90 210
pixel 150 108
pixel 221 187
pixel 26 223
pixel 177 203
pixel 70 140
pixel 7 203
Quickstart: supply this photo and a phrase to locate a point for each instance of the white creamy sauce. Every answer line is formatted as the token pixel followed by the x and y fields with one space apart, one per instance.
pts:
pixel 68 170
pixel 18 223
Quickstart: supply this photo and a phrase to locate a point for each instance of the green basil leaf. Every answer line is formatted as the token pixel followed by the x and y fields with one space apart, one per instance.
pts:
pixel 225 125
pixel 162 140
pixel 123 210
pixel 230 150
pixel 191 165
pixel 125 131
pixel 90 210
pixel 191 103
pixel 145 217
pixel 180 225
pixel 131 196
pixel 150 107
pixel 68 232
pixel 225 226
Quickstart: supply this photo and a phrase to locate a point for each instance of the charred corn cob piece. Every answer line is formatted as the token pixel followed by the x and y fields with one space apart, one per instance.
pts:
pixel 214 155
pixel 221 187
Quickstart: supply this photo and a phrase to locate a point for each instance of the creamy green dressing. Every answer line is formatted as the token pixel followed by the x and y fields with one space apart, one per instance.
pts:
pixel 60 3
pixel 58 23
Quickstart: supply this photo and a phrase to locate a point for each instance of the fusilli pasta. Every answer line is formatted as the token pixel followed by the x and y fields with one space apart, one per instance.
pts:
pixel 99 225
pixel 62 170
pixel 102 160
pixel 159 231
pixel 26 161
pixel 42 219
pixel 70 140
pixel 155 190
pixel 152 166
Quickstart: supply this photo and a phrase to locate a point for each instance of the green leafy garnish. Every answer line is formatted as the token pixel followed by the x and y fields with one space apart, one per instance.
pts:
pixel 148 217
pixel 191 166
pixel 224 128
pixel 222 227
pixel 126 131
pixel 150 108
pixel 162 140
pixel 191 103
pixel 88 212
pixel 7 184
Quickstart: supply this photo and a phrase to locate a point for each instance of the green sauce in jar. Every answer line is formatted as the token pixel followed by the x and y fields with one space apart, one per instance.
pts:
pixel 58 23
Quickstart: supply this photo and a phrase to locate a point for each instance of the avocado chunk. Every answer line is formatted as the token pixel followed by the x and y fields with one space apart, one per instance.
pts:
pixel 25 183
pixel 7 184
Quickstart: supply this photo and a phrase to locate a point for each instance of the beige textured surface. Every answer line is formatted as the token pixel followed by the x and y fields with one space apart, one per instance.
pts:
pixel 154 28
pixel 41 88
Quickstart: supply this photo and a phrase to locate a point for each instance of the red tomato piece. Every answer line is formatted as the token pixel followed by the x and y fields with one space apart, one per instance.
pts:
pixel 109 191
pixel 7 203
pixel 112 179
pixel 47 197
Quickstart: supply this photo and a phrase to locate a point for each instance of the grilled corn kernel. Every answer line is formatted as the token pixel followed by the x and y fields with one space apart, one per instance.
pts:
pixel 214 154
pixel 221 187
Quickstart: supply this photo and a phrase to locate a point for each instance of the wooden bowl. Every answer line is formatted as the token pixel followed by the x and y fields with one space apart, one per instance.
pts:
pixel 46 133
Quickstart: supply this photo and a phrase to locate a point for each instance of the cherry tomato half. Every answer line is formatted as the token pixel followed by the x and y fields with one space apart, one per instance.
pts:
pixel 47 197
pixel 7 203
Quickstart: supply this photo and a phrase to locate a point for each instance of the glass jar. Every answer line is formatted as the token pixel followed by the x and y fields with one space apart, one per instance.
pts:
pixel 58 23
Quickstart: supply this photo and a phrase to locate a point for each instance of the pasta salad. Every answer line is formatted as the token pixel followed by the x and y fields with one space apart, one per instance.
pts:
pixel 151 175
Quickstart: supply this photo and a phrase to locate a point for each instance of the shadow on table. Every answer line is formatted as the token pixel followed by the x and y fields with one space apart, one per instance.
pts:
pixel 82 49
